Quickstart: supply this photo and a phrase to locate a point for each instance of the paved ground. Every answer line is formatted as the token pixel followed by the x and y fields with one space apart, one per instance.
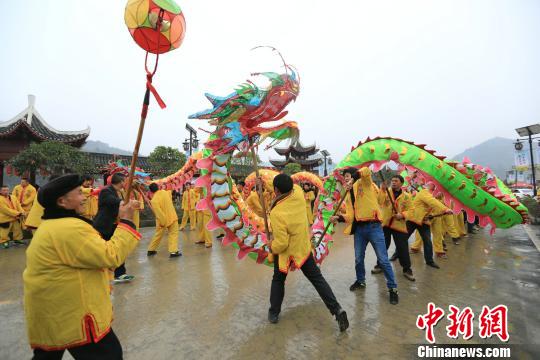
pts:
pixel 209 305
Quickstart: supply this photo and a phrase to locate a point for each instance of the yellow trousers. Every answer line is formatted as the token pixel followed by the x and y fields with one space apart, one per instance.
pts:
pixel 172 238
pixel 15 228
pixel 309 214
pixel 203 220
pixel 192 215
pixel 459 223
pixel 438 230
pixel 449 226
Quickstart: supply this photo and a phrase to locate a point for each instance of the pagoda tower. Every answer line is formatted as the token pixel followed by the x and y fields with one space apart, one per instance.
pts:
pixel 306 156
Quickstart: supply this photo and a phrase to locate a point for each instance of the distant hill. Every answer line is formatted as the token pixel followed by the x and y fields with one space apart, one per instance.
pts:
pixel 496 153
pixel 101 147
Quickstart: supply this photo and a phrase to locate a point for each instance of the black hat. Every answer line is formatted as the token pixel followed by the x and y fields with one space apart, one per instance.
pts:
pixel 50 192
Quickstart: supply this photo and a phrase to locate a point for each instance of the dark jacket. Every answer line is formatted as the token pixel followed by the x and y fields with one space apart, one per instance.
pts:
pixel 106 218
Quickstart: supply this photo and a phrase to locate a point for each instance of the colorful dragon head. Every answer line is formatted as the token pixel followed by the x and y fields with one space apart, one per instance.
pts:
pixel 242 116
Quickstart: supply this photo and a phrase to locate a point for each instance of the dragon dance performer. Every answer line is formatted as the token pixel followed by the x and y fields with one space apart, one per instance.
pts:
pixel 440 226
pixel 91 200
pixel 67 298
pixel 423 206
pixel 25 193
pixel 364 215
pixel 189 202
pixel 203 218
pixel 309 196
pixel 254 202
pixel 459 223
pixel 292 247
pixel 394 223
pixel 166 219
pixel 11 212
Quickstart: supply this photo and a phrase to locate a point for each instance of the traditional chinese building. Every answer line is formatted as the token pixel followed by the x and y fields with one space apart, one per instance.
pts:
pixel 306 156
pixel 29 126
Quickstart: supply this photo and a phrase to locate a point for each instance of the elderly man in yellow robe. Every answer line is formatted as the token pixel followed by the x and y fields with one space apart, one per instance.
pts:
pixel 291 247
pixel 25 193
pixel 67 293
pixel 189 202
pixel 10 214
pixel 166 220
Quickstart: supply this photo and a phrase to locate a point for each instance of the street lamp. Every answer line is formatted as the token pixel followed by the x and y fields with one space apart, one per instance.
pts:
pixel 529 131
pixel 326 154
pixel 192 142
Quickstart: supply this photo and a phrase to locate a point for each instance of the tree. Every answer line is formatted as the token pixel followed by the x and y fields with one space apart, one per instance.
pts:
pixel 51 157
pixel 292 168
pixel 166 160
pixel 242 166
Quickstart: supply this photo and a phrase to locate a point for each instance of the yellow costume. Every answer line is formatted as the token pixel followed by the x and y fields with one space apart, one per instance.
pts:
pixel 367 200
pixel 254 203
pixel 166 219
pixel 402 204
pixel 67 299
pixel 10 210
pixel 459 223
pixel 34 216
pixel 423 205
pixel 189 202
pixel 91 203
pixel 25 195
pixel 309 197
pixel 290 230
pixel 203 218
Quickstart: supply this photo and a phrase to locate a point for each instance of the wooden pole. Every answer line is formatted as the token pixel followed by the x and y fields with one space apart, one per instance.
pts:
pixel 343 196
pixel 144 112
pixel 259 188
pixel 388 193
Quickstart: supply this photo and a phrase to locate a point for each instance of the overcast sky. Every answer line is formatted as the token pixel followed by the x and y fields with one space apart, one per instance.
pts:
pixel 447 73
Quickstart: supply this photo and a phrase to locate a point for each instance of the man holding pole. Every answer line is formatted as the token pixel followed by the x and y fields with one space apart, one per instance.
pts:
pixel 394 202
pixel 364 214
pixel 291 247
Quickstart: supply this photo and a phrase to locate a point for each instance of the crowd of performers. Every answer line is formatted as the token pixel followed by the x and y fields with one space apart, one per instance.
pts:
pixel 79 232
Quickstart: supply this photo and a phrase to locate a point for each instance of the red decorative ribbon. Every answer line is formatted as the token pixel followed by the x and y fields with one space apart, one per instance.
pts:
pixel 153 90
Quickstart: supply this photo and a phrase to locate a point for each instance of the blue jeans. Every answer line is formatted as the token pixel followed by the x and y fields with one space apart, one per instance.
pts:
pixel 373 233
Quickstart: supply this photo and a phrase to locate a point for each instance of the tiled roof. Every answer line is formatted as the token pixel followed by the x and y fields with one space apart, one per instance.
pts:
pixel 31 121
pixel 297 148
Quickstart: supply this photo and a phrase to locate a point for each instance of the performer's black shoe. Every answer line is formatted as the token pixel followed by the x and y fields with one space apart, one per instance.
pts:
pixel 151 253
pixel 175 254
pixel 456 241
pixel 376 270
pixel 273 318
pixel 394 257
pixel 220 236
pixel 409 275
pixel 394 297
pixel 357 285
pixel 433 265
pixel 341 318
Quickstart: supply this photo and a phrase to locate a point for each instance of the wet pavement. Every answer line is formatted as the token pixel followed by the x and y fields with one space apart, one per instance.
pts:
pixel 207 304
